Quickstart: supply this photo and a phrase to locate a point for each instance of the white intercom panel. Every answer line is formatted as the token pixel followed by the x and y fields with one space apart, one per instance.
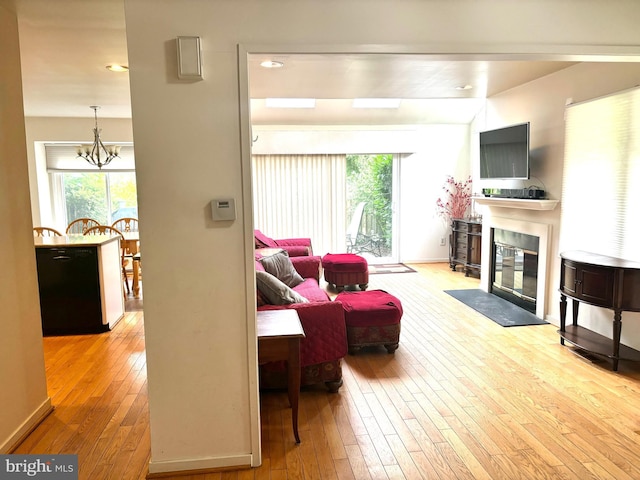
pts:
pixel 223 209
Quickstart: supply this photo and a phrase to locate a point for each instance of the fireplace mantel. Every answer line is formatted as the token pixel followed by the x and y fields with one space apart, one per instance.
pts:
pixel 523 203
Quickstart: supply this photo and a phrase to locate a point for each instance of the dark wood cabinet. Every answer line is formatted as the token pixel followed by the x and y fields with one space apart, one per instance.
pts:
pixel 601 281
pixel 466 245
pixel 80 283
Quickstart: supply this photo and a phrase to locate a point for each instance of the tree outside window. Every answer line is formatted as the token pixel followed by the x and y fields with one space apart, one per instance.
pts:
pixel 99 195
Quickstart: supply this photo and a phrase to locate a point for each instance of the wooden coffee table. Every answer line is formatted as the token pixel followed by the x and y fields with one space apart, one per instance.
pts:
pixel 279 334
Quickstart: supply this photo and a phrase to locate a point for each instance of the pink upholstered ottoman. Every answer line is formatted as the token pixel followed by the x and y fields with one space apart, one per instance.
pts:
pixel 343 269
pixel 372 318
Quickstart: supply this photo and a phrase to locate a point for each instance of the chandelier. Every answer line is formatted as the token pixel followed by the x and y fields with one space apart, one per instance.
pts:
pixel 97 154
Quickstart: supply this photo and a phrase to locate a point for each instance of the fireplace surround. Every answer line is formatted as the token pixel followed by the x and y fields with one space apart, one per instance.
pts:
pixel 514 267
pixel 540 230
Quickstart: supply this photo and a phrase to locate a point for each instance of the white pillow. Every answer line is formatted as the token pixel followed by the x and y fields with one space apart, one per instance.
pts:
pixel 279 265
pixel 277 292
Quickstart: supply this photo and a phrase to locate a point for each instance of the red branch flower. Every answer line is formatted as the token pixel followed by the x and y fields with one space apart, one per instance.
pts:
pixel 457 199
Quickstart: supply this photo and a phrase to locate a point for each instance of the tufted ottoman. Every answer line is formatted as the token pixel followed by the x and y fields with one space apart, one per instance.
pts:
pixel 372 318
pixel 342 269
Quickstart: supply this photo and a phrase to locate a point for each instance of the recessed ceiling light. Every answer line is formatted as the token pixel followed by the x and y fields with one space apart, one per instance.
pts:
pixel 271 64
pixel 116 67
pixel 290 102
pixel 376 102
pixel 464 87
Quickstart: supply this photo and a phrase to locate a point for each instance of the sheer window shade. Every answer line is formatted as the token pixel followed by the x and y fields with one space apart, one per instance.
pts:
pixel 601 180
pixel 301 196
pixel 64 157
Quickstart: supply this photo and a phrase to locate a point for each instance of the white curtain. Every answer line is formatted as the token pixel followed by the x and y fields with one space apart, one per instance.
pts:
pixel 600 191
pixel 301 196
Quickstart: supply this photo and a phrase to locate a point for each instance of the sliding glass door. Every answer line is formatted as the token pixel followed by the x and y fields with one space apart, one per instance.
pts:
pixel 344 203
pixel 370 207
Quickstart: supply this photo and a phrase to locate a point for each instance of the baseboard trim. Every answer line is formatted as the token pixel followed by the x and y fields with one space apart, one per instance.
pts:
pixel 424 260
pixel 198 466
pixel 28 426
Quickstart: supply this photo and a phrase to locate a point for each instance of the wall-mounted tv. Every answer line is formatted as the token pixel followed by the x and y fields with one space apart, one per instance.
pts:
pixel 504 152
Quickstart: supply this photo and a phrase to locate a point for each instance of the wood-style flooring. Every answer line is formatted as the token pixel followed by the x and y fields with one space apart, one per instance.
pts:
pixel 462 398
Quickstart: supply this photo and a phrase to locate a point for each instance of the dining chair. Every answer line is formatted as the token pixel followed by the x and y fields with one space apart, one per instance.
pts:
pixel 111 231
pixel 46 232
pixel 79 225
pixel 126 224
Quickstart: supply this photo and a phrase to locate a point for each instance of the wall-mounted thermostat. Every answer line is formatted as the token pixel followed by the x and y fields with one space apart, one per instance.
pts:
pixel 223 209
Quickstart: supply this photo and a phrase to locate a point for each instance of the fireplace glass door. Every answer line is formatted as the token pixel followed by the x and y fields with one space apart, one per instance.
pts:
pixel 515 268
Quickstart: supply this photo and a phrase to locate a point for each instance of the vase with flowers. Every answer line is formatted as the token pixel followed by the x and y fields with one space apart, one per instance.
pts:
pixel 454 204
pixel 456 200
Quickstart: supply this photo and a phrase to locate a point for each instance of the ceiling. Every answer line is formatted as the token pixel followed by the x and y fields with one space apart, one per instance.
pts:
pixel 66 45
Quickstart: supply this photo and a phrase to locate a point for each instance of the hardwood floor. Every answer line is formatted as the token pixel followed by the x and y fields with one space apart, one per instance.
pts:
pixel 461 398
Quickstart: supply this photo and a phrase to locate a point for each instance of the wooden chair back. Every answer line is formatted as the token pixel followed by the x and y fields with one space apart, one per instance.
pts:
pixel 79 225
pixel 104 230
pixel 46 232
pixel 126 224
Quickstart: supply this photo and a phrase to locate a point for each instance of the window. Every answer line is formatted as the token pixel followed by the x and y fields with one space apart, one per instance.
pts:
pixel 81 190
pixel 601 172
pixel 103 196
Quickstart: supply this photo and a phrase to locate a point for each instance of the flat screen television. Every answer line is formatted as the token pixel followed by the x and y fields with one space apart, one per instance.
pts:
pixel 504 152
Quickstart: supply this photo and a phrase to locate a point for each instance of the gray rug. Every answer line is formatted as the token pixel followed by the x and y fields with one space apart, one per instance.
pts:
pixel 497 309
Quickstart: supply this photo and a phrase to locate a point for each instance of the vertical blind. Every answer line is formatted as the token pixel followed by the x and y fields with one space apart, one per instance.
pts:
pixel 301 196
pixel 601 183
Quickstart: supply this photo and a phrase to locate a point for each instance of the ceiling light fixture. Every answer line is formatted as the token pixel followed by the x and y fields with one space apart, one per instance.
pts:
pixel 271 64
pixel 116 67
pixel 464 87
pixel 94 153
pixel 376 102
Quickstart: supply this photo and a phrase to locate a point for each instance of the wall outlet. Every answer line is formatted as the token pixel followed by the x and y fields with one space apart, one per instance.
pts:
pixel 443 241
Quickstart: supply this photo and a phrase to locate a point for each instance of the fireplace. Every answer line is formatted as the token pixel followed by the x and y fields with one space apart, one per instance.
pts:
pixel 514 267
pixel 518 263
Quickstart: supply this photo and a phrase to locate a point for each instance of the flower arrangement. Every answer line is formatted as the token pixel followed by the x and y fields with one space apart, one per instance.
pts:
pixel 457 199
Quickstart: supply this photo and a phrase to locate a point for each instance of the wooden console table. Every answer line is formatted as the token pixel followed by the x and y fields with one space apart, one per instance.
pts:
pixel 466 245
pixel 279 334
pixel 602 281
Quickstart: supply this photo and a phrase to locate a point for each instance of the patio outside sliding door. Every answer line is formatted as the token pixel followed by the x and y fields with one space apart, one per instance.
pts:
pixel 371 207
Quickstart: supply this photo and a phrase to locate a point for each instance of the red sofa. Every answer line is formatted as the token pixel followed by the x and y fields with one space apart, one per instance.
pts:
pixel 325 342
pixel 295 247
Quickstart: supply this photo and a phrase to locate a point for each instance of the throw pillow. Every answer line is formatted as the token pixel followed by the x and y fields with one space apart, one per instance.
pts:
pixel 279 265
pixel 261 299
pixel 277 292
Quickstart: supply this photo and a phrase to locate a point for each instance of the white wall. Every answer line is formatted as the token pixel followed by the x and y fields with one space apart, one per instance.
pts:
pixel 443 150
pixel 542 102
pixel 23 395
pixel 192 144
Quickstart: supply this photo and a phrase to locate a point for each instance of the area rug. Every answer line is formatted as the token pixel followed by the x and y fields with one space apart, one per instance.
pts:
pixel 495 308
pixel 389 268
